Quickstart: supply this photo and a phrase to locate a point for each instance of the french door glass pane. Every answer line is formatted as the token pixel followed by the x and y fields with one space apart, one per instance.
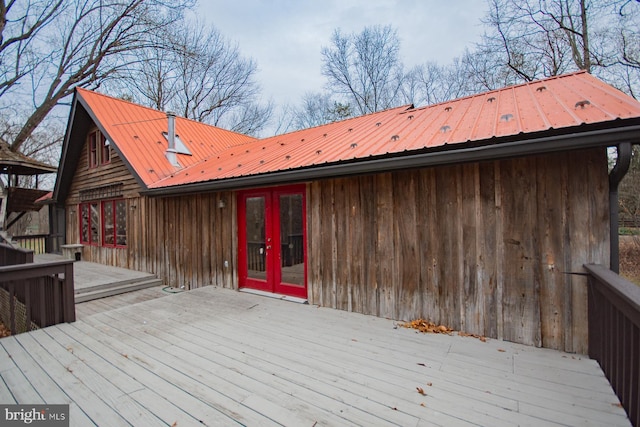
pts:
pixel 107 222
pixel 291 239
pixel 121 223
pixel 95 223
pixel 256 245
pixel 84 209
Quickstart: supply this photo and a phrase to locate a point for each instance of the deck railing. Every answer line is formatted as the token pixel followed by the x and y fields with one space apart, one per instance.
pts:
pixel 614 334
pixel 10 255
pixel 34 242
pixel 36 295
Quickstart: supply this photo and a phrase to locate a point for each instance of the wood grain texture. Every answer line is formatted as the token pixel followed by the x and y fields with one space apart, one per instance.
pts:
pixel 481 247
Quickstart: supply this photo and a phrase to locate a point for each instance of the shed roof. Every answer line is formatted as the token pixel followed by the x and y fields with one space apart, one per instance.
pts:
pixel 544 108
pixel 13 162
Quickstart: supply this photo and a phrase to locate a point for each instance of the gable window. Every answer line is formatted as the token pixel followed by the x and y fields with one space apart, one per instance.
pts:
pixel 99 150
pixel 105 154
pixel 104 223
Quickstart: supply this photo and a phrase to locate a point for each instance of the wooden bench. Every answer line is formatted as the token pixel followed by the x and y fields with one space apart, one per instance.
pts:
pixel 73 251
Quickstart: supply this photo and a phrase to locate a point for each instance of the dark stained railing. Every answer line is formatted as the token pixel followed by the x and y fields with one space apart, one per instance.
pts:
pixel 11 256
pixel 34 295
pixel 614 334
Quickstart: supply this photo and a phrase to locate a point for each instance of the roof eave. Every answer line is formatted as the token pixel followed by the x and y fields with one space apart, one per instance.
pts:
pixel 579 139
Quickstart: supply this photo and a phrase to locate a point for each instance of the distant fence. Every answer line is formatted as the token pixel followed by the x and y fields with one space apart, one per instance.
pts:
pixel 628 221
pixel 292 253
pixel 34 242
pixel 614 334
pixel 34 295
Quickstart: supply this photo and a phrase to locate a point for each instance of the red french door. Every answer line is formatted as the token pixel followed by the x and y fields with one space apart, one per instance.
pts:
pixel 272 240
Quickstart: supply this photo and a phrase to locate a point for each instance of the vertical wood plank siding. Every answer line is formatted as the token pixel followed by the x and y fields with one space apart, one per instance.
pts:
pixel 487 248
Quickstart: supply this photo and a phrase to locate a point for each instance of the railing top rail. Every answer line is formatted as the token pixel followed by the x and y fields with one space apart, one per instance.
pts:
pixel 15 249
pixel 27 271
pixel 624 289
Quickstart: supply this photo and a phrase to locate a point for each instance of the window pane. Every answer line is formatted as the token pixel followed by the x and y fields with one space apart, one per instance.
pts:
pixel 291 239
pixel 121 223
pixel 93 150
pixel 108 226
pixel 256 245
pixel 84 218
pixel 95 223
pixel 106 153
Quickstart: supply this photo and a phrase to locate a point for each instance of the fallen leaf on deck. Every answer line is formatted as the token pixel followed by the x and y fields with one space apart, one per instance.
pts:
pixel 423 405
pixel 421 391
pixel 501 350
pixel 425 326
pixel 429 384
pixel 467 334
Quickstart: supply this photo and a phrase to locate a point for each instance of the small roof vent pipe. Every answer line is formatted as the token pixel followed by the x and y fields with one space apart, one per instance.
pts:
pixel 171 137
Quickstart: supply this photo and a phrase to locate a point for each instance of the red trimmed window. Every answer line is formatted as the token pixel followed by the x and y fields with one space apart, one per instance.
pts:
pixel 105 153
pixel 90 223
pixel 99 150
pixel 114 223
pixel 93 150
pixel 104 223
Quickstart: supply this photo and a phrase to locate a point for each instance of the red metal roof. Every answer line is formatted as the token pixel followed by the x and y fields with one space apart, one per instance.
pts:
pixel 137 131
pixel 554 103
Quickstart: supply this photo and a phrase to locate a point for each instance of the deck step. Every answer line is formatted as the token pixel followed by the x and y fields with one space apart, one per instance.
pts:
pixel 119 283
pixel 103 291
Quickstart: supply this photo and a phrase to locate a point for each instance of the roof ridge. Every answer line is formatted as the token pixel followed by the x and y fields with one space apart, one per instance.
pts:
pixel 178 117
pixel 503 89
pixel 387 110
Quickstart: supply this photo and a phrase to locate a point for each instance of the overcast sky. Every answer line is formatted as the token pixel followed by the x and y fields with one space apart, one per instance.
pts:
pixel 284 37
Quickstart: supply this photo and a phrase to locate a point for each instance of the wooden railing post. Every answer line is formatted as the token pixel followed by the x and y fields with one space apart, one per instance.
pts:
pixel 68 295
pixel 614 331
pixel 48 298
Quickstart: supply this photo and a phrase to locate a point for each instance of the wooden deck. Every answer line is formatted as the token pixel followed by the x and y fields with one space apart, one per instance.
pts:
pixel 218 357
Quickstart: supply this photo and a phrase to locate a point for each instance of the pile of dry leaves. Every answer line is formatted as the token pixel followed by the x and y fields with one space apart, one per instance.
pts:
pixel 425 326
pixel 4 331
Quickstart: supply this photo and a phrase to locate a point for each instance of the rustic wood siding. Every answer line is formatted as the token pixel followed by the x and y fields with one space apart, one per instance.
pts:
pixel 486 248
pixel 85 178
pixel 187 241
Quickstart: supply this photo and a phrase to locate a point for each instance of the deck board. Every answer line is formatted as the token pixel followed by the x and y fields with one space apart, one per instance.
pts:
pixel 217 357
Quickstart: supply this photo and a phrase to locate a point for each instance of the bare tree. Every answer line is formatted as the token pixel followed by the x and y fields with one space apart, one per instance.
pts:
pixel 542 38
pixel 24 22
pixel 317 109
pixel 365 68
pixel 430 83
pixel 52 46
pixel 201 75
